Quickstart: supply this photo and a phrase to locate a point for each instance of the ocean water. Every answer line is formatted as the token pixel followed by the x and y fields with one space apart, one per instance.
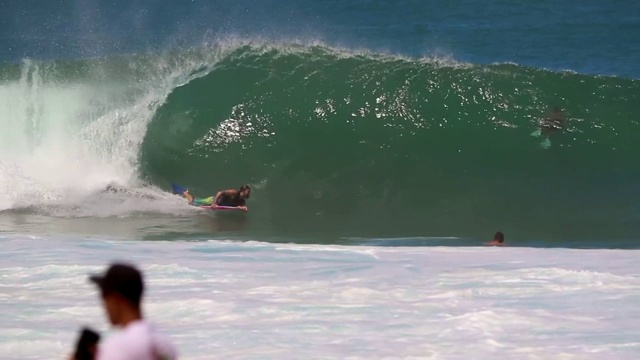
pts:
pixel 384 142
pixel 257 300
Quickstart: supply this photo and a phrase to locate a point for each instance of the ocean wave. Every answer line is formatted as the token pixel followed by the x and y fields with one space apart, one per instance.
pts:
pixel 358 142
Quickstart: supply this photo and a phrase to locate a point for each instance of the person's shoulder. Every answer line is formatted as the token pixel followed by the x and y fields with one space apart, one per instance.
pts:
pixel 495 243
pixel 136 340
pixel 163 348
pixel 111 347
pixel 161 344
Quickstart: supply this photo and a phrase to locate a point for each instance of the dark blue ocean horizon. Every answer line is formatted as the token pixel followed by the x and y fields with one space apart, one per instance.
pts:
pixel 591 37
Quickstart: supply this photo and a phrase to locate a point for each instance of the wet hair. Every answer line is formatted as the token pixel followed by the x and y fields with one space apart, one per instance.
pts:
pixel 245 187
pixel 499 236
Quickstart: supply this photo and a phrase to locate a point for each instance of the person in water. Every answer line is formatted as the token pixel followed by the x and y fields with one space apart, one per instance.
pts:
pixel 554 122
pixel 231 198
pixel 498 240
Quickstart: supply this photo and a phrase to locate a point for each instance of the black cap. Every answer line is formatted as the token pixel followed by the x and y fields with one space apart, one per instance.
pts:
pixel 123 279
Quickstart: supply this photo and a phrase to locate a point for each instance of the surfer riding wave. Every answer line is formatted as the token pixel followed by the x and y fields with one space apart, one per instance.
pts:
pixel 230 198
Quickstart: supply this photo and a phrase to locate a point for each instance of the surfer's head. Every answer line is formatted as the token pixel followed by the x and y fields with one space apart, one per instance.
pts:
pixel 245 191
pixel 499 237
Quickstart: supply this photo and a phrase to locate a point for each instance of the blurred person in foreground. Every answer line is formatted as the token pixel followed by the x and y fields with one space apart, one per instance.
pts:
pixel 121 288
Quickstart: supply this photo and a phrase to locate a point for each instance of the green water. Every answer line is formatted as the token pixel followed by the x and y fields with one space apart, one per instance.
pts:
pixel 338 145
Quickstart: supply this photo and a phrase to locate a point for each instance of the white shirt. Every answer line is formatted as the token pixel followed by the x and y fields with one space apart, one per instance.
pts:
pixel 137 341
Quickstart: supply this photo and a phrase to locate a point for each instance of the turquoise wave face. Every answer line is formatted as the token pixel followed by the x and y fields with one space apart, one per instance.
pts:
pixel 370 145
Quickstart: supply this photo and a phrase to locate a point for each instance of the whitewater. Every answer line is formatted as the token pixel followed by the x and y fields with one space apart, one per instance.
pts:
pixel 221 299
pixel 72 136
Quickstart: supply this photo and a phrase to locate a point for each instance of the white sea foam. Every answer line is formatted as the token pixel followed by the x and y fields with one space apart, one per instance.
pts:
pixel 65 139
pixel 222 299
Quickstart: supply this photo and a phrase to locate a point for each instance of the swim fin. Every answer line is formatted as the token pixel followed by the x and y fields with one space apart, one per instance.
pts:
pixel 177 189
pixel 546 143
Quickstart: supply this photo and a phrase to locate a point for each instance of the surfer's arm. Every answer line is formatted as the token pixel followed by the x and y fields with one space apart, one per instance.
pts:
pixel 214 204
pixel 243 205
